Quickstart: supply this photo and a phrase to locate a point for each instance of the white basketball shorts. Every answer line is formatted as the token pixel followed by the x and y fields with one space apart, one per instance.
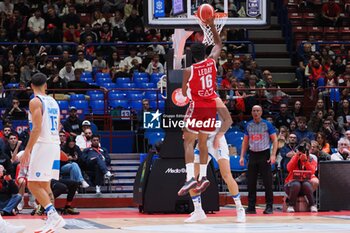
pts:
pixel 221 153
pixel 44 162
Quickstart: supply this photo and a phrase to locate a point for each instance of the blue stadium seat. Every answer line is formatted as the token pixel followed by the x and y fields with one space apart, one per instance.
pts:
pixel 123 80
pixel 12 85
pixel 119 103
pixel 235 138
pixel 63 104
pixel 334 95
pixel 150 95
pixel 73 97
pixel 97 106
pixel 140 79
pixel 154 136
pixel 86 74
pixel 155 77
pixel 115 94
pixel 136 105
pixel 80 104
pixel 142 75
pixel 235 166
pixel 108 85
pixel 96 96
pixel 101 81
pixel 161 104
pixel 134 96
pixel 94 92
pixel 146 85
pixel 103 75
pixel 87 80
pixel 127 85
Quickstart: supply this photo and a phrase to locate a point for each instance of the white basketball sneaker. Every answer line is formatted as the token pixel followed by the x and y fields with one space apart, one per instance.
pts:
pixel 196 216
pixel 313 209
pixel 54 221
pixel 240 215
pixel 290 209
pixel 6 227
pixel 20 205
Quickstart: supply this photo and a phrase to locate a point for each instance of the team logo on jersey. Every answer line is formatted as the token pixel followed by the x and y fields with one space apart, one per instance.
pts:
pixel 151 120
pixel 178 98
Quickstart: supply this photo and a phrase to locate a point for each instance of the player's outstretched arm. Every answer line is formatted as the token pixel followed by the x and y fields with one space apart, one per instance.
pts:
pixel 216 50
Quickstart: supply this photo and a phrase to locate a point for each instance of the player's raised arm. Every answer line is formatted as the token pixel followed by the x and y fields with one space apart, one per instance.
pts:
pixel 216 50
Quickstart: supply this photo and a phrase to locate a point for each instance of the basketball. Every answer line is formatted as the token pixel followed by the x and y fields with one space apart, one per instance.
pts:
pixel 205 11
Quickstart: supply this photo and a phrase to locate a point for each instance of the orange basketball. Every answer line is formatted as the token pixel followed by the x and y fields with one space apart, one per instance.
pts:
pixel 205 11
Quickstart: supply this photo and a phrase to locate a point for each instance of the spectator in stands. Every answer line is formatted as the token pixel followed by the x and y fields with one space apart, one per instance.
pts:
pixel 15 112
pixel 303 61
pixel 136 67
pixel 155 66
pixel 55 81
pixel 133 20
pixel 343 116
pixel 293 125
pixel 276 97
pixel 69 162
pixel 70 187
pixel 332 136
pixel 7 7
pixel 82 63
pixel 110 5
pixel 283 117
pixel 71 35
pixel 99 63
pixel 67 72
pixel 6 132
pixel 11 148
pixel 97 18
pixel 237 71
pixel 72 123
pixel 228 64
pixel 132 55
pixel 106 36
pixel 344 81
pixel 338 67
pixel 288 151
pixel 347 134
pixel 318 153
pixel 63 138
pixel 71 19
pixel 11 76
pixel 320 106
pixel 36 26
pixel 22 7
pixel 157 48
pixel 62 62
pixel 23 95
pixel 28 70
pixel 88 32
pixel 330 14
pixel 296 187
pixel 52 18
pixel 97 160
pixel 256 70
pixel 53 35
pixel 6 160
pixel 9 197
pixel 315 122
pixel 84 139
pixel 343 150
pixel 322 142
pixel 301 132
pixel 297 110
pixel 114 62
pixel 117 22
pixel 316 72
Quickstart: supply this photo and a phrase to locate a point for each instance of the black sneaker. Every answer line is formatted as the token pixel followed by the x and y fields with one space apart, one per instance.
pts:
pixel 203 184
pixel 70 211
pixel 268 210
pixel 250 210
pixel 191 184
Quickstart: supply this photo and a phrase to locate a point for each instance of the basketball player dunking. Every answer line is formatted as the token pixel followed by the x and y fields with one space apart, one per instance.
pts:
pixel 42 153
pixel 199 84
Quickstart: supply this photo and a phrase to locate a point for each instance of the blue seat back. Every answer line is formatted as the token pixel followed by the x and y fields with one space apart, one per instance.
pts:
pixel 123 80
pixel 115 103
pixel 127 85
pixel 102 75
pixel 86 74
pixel 136 105
pixel 97 106
pixel 140 75
pixel 146 85
pixel 155 137
pixel 235 166
pixel 108 85
pixel 116 94
pixel 74 97
pixel 134 96
pixel 141 79
pixel 96 96
pixel 80 104
pixel 235 138
pixel 155 77
pixel 63 104
pixel 150 95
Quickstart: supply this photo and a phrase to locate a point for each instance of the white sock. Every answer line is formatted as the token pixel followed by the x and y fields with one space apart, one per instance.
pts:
pixel 202 170
pixel 237 200
pixel 197 202
pixel 189 171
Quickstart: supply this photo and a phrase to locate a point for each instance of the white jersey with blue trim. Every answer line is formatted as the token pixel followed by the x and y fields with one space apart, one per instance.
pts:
pixel 49 125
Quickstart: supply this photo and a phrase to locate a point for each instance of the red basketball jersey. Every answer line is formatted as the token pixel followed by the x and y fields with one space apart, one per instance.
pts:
pixel 202 82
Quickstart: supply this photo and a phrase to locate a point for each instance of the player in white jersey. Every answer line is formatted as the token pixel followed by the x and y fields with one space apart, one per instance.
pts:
pixel 218 149
pixel 42 153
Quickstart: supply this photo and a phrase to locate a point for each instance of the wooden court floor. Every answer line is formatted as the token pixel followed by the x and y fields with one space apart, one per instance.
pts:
pixel 130 220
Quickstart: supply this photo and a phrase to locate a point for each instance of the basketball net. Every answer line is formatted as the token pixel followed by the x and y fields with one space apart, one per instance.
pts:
pixel 219 21
pixel 179 40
